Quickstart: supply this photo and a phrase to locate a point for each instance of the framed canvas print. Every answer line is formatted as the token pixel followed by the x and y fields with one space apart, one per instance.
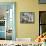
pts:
pixel 42 1
pixel 7 20
pixel 27 17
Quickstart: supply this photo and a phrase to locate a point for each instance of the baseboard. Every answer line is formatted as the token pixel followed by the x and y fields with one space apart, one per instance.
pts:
pixel 24 39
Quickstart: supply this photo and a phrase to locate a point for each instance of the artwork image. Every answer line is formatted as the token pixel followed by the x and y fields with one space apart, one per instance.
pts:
pixel 27 17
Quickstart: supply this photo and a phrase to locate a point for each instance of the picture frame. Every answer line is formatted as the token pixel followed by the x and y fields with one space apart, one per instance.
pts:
pixel 27 17
pixel 42 1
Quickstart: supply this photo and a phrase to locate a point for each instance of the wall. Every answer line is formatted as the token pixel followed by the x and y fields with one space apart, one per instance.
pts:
pixel 27 30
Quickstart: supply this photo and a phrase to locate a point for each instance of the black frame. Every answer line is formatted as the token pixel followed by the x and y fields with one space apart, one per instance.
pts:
pixel 21 14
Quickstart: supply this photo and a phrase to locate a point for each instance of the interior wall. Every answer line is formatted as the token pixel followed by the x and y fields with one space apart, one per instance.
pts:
pixel 27 30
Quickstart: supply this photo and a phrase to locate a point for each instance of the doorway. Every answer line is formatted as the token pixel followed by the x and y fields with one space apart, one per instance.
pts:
pixel 7 21
pixel 42 22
